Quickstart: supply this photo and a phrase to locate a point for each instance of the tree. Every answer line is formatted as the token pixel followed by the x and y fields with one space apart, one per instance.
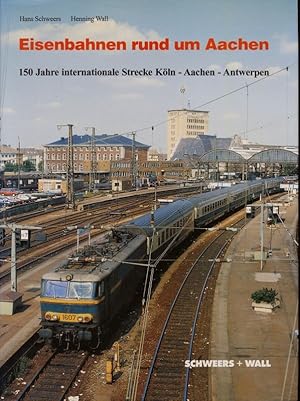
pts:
pixel 41 166
pixel 10 167
pixel 265 295
pixel 28 166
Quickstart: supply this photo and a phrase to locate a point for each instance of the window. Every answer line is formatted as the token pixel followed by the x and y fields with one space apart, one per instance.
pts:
pixel 58 156
pixel 80 156
pixel 75 156
pixel 80 290
pixel 53 156
pixel 54 289
pixel 117 156
pixel 86 156
pixel 111 156
pixel 101 289
pixel 64 156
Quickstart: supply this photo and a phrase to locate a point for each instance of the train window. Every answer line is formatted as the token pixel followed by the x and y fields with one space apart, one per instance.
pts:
pixel 163 237
pixel 101 289
pixel 80 290
pixel 159 240
pixel 54 289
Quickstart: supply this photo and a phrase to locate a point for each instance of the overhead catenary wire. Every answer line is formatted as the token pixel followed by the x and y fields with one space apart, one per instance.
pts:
pixel 214 99
pixel 241 88
pixel 144 321
pixel 148 285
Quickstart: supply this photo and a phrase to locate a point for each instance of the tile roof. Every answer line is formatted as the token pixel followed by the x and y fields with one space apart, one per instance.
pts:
pixel 105 140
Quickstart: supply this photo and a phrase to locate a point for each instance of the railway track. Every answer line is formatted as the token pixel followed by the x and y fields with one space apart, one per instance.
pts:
pixel 55 230
pixel 168 379
pixel 54 377
pixel 55 244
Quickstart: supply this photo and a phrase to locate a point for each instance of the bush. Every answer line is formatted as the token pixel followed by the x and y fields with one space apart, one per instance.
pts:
pixel 265 295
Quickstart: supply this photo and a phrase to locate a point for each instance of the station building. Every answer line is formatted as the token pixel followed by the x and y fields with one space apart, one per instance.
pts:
pixel 212 157
pixel 107 148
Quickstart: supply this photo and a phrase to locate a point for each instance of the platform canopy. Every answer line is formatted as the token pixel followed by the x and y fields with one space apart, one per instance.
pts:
pixel 274 156
pixel 222 155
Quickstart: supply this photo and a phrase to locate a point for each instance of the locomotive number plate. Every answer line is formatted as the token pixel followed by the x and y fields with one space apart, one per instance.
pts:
pixel 67 317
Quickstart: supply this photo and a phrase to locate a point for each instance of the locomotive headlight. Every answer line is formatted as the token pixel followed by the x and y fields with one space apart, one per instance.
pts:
pixel 48 316
pixel 54 317
pixel 80 319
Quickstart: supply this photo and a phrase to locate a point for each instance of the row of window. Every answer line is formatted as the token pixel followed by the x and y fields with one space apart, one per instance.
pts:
pixel 213 206
pixel 86 149
pixel 63 167
pixel 165 235
pixel 120 165
pixel 86 156
pixel 6 155
pixel 8 161
pixel 195 120
pixel 195 126
pixel 144 173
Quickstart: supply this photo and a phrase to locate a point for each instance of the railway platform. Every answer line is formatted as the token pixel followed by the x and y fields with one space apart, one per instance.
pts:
pixel 240 334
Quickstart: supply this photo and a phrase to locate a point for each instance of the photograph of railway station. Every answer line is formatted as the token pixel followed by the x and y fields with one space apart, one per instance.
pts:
pixel 149 200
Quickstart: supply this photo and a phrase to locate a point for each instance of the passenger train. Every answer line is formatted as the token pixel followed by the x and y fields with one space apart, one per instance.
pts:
pixel 80 298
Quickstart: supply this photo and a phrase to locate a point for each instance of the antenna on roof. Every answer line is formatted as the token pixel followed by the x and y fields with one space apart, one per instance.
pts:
pixel 182 91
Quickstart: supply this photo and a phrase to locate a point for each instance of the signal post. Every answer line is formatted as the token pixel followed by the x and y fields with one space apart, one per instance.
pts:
pixel 10 300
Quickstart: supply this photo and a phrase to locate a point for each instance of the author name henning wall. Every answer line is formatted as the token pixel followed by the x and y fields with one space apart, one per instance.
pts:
pixel 66 44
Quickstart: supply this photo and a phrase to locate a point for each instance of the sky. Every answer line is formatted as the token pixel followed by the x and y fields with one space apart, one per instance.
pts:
pixel 33 106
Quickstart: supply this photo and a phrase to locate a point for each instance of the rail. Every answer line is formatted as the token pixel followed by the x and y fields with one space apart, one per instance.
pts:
pixel 178 336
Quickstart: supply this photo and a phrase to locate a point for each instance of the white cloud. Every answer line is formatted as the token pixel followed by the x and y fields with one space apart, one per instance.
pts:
pixel 286 46
pixel 8 110
pixel 213 67
pixel 234 65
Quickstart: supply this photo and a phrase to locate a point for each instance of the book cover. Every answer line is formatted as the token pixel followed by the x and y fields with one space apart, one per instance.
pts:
pixel 179 79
